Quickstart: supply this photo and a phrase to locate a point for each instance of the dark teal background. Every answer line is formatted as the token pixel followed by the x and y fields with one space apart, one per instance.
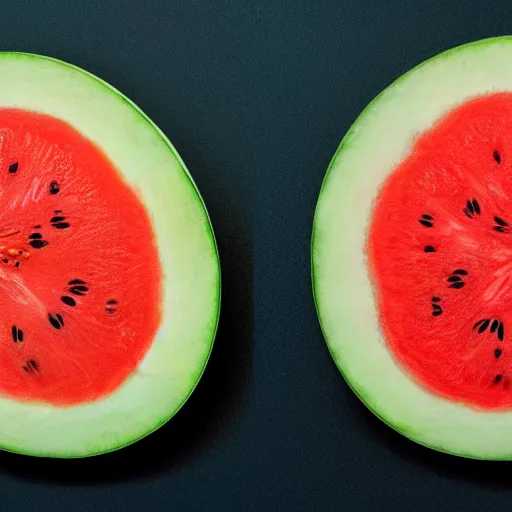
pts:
pixel 256 97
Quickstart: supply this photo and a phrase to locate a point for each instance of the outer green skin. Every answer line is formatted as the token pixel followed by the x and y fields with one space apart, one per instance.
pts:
pixel 144 119
pixel 367 400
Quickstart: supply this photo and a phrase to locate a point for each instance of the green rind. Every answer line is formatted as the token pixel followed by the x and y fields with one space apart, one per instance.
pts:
pixel 81 452
pixel 378 409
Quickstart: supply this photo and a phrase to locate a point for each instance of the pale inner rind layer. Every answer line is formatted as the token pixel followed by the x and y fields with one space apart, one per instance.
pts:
pixel 381 138
pixel 177 357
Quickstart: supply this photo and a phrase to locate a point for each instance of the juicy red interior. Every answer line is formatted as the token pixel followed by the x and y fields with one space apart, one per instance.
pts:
pixel 440 255
pixel 79 269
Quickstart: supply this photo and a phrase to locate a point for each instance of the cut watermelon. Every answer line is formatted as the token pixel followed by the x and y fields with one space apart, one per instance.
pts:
pixel 412 253
pixel 109 273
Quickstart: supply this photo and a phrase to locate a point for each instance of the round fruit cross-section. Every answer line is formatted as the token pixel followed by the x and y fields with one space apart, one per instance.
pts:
pixel 109 273
pixel 412 252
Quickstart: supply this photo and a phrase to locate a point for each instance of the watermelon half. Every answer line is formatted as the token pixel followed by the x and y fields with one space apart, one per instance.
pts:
pixel 412 253
pixel 109 272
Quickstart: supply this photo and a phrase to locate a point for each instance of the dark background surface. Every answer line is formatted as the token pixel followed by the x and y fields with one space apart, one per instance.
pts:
pixel 256 97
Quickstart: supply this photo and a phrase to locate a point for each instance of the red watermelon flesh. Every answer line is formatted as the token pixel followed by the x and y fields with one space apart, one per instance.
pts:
pixel 440 255
pixel 79 269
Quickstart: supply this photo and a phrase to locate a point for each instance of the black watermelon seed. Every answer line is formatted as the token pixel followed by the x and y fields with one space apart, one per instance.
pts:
pixel 14 332
pixel 494 325
pixel 38 226
pixel 61 225
pixel 497 379
pixel 54 187
pixel 427 217
pixel 484 326
pixel 55 323
pixel 59 318
pixel 497 353
pixel 437 310
pixel 425 223
pixel 500 221
pixel 69 301
pixel 17 264
pixel 38 244
pixel 20 335
pixel 13 167
pixel 57 219
pixel 434 299
pixel 80 288
pixel 454 279
pixel 76 281
pixel 461 272
pixel 429 248
pixel 35 236
pixel 500 229
pixel 476 206
pixel 5 260
pixel 31 366
pixel 501 332
pixel 470 207
pixel 478 323
pixel 458 285
pixel 497 157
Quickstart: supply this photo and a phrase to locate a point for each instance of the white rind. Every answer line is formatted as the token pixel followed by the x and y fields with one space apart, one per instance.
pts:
pixel 178 355
pixel 380 138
